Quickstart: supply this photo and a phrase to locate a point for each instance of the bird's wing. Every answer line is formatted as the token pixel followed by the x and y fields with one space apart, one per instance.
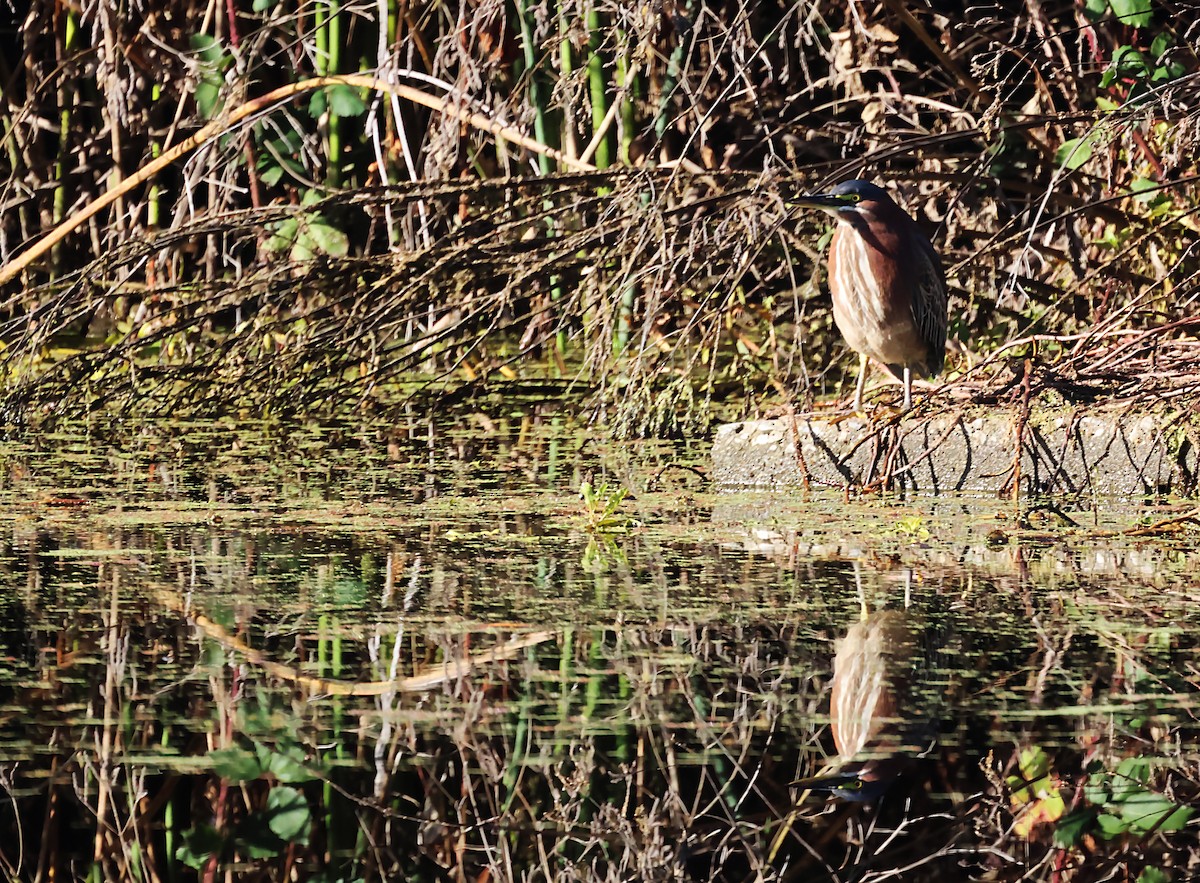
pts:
pixel 929 304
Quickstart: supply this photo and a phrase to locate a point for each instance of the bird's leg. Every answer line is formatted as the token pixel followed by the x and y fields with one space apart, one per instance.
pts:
pixel 862 380
pixel 907 388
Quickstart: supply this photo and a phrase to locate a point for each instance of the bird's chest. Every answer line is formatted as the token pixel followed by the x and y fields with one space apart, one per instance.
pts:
pixel 872 298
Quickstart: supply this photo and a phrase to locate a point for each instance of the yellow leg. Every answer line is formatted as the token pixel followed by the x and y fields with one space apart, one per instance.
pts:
pixel 862 381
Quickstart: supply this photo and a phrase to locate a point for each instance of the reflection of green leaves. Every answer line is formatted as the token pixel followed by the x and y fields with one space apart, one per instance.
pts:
pixel 235 764
pixel 199 844
pixel 1146 811
pixel 1128 803
pixel 601 553
pixel 264 833
pixel 288 815
pixel 1034 766
pixel 1132 775
pixel 1070 828
pixel 285 762
pixel 1036 788
pixel 1126 62
pixel 1130 12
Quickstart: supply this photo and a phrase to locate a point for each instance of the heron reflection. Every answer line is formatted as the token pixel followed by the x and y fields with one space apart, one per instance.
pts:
pixel 870 713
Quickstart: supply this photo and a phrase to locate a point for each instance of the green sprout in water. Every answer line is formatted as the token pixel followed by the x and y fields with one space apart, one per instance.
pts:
pixel 913 527
pixel 602 506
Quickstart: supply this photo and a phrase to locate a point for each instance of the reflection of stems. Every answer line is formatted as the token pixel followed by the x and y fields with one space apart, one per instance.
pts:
pixel 109 716
pixel 169 822
pixel 522 736
pixel 624 320
pixel 628 78
pixel 567 140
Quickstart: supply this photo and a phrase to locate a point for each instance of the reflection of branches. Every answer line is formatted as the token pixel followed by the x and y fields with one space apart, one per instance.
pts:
pixel 434 676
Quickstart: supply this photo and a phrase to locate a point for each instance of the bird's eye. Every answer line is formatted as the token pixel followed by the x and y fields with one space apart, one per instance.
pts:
pixel 853 784
pixel 853 197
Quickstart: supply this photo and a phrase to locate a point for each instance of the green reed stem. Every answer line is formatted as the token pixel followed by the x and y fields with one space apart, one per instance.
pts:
pixel 597 85
pixel 537 87
pixel 671 79
pixel 70 33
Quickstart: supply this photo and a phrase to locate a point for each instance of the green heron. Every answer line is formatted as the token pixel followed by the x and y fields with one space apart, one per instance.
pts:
pixel 868 690
pixel 889 293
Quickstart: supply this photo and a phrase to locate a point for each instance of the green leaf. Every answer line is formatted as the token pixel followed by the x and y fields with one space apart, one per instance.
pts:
pixel 1095 9
pixel 1098 790
pixel 199 844
pixel 304 250
pixel 1153 875
pixel 1126 62
pixel 1111 826
pixel 287 764
pixel 1074 153
pixel 208 51
pixel 235 764
pixel 344 102
pixel 1148 810
pixel 1132 12
pixel 317 104
pixel 1131 777
pixel 256 840
pixel 271 176
pixel 1071 827
pixel 263 5
pixel 288 814
pixel 284 236
pixel 208 99
pixel 213 61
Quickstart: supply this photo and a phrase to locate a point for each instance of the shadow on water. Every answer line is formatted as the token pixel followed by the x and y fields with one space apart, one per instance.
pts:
pixel 379 662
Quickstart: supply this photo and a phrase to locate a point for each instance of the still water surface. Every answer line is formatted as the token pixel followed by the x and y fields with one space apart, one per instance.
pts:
pixel 343 653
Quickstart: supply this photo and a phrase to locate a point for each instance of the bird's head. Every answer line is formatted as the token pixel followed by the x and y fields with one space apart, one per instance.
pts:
pixel 847 200
pixel 855 786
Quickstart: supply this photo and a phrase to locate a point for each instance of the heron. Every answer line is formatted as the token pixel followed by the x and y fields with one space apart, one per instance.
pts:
pixel 887 284
pixel 868 690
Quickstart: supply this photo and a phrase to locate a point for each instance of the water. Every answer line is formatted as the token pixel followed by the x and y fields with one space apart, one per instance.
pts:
pixel 362 652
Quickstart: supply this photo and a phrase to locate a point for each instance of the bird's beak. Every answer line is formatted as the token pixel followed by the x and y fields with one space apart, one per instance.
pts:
pixel 826 202
pixel 830 783
pixel 846 785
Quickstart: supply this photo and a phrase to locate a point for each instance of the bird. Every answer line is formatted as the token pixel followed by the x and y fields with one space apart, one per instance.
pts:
pixel 887 283
pixel 875 742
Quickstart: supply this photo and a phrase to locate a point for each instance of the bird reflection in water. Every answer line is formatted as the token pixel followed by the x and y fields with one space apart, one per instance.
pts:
pixel 884 714
pixel 877 736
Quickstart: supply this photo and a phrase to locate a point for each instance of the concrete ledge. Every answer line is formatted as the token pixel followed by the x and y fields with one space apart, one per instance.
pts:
pixel 1099 452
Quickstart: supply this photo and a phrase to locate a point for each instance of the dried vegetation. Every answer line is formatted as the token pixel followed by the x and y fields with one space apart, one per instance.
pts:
pixel 332 248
